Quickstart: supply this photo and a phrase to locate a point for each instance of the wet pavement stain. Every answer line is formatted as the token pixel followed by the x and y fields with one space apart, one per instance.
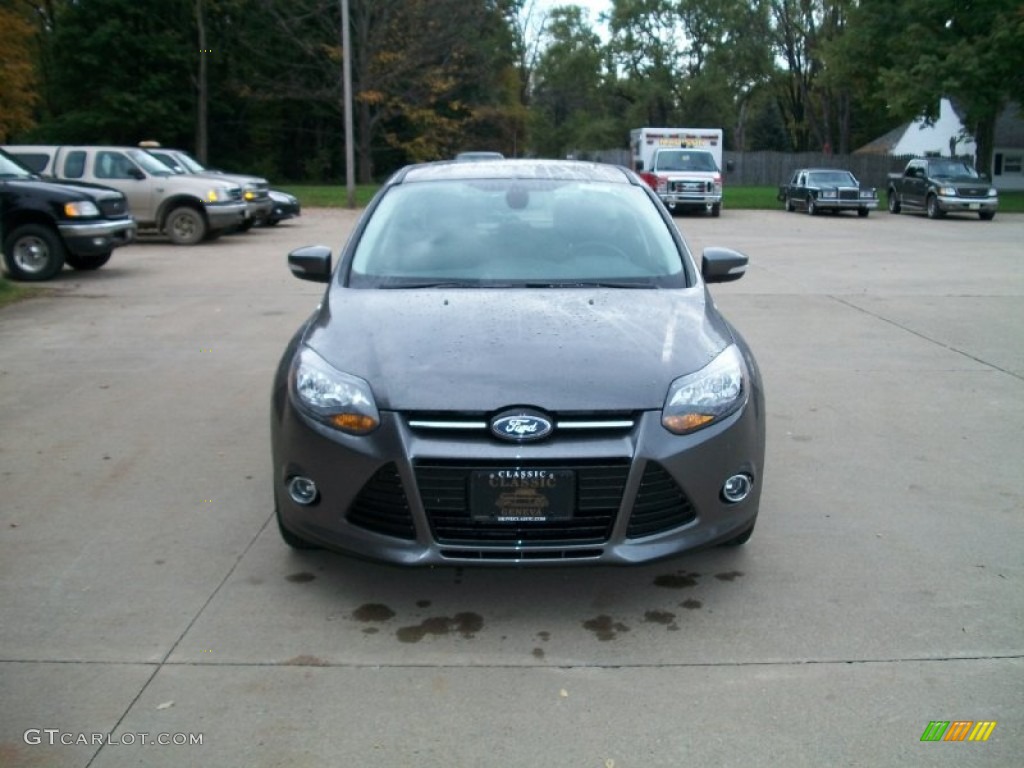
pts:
pixel 305 660
pixel 659 617
pixel 544 636
pixel 466 624
pixel 605 627
pixel 728 575
pixel 371 631
pixel 677 580
pixel 538 653
pixel 373 612
pixel 691 605
pixel 300 578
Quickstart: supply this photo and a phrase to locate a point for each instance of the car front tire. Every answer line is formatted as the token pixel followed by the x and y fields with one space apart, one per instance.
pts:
pixel 293 541
pixel 894 202
pixel 742 539
pixel 185 226
pixel 986 215
pixel 812 207
pixel 932 207
pixel 863 212
pixel 33 253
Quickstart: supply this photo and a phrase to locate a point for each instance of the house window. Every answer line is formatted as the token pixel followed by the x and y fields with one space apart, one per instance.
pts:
pixel 1013 163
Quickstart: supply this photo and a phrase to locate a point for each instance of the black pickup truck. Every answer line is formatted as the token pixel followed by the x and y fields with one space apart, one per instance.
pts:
pixel 45 224
pixel 941 185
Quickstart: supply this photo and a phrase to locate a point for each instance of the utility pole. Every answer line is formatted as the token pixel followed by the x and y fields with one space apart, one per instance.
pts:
pixel 201 120
pixel 346 73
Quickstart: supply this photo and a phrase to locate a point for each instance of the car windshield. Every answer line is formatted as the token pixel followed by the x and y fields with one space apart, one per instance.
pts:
pixel 10 168
pixel 685 160
pixel 149 163
pixel 831 179
pixel 516 232
pixel 951 168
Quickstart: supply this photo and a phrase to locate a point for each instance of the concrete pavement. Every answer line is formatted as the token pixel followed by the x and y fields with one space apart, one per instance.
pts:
pixel 145 591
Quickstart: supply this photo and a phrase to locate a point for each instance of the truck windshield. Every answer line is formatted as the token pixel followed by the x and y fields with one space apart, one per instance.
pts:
pixel 951 168
pixel 149 163
pixel 685 160
pixel 11 169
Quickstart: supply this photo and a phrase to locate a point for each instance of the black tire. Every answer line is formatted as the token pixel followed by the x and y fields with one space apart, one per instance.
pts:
pixel 742 539
pixel 247 225
pixel 271 222
pixel 986 215
pixel 716 210
pixel 185 226
pixel 33 253
pixel 293 541
pixel 894 202
pixel 789 205
pixel 812 207
pixel 932 208
pixel 863 212
pixel 88 262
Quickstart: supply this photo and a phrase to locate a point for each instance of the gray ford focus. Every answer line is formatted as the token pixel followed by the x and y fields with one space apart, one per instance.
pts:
pixel 516 361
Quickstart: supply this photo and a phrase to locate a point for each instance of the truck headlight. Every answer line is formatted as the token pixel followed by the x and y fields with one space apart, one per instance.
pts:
pixel 947 191
pixel 81 208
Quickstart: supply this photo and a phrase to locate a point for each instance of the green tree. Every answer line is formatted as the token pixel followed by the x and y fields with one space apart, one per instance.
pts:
pixel 18 74
pixel 969 50
pixel 122 71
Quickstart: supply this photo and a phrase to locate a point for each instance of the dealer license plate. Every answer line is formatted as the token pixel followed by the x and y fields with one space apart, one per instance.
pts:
pixel 975 206
pixel 522 495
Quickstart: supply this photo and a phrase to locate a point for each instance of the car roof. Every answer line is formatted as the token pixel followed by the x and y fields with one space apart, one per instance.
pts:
pixel 566 170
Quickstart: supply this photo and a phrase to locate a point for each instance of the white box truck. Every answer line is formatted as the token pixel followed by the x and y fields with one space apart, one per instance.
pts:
pixel 682 165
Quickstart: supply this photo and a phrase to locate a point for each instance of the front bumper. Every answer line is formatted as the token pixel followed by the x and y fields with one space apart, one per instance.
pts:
pixel 953 204
pixel 402 494
pixel 259 210
pixel 687 200
pixel 222 216
pixel 832 204
pixel 92 238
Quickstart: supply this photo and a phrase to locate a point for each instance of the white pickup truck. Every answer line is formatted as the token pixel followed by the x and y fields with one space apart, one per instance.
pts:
pixel 185 208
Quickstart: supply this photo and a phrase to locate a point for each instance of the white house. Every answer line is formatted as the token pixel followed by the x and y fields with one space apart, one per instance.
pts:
pixel 948 136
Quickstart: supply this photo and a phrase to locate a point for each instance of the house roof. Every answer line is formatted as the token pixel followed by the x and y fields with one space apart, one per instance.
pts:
pixel 919 138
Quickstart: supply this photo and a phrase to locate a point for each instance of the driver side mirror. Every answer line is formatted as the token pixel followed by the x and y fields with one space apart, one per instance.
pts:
pixel 312 262
pixel 722 265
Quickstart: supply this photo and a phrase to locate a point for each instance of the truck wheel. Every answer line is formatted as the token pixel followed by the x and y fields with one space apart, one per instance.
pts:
pixel 932 206
pixel 863 212
pixel 716 210
pixel 87 262
pixel 33 253
pixel 894 202
pixel 986 215
pixel 185 226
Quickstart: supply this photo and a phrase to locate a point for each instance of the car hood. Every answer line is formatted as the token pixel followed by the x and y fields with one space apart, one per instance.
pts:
pixel 68 190
pixel 484 349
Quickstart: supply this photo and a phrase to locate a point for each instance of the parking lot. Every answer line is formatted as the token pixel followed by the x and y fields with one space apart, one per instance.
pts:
pixel 145 591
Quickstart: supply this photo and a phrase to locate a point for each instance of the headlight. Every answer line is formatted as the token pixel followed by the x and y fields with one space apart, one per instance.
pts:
pixel 828 193
pixel 81 208
pixel 337 399
pixel 704 397
pixel 947 191
pixel 867 193
pixel 992 192
pixel 249 193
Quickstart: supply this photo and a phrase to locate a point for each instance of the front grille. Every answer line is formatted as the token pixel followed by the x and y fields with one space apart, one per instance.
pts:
pixel 660 504
pixel 113 209
pixel 476 423
pixel 444 489
pixel 972 191
pixel 849 194
pixel 382 506
pixel 517 554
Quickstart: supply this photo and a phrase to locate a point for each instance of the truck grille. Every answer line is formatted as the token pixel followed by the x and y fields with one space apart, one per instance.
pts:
pixel 113 209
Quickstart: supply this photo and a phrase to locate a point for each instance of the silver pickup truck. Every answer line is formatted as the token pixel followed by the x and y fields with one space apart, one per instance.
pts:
pixel 185 208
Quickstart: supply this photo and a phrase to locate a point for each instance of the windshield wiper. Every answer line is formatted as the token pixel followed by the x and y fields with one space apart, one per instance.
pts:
pixel 448 284
pixel 590 284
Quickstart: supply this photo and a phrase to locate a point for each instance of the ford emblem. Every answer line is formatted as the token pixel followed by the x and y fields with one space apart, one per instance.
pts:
pixel 521 425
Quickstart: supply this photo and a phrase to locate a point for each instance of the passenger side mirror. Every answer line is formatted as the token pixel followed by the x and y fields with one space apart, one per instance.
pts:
pixel 722 265
pixel 312 262
pixel 136 173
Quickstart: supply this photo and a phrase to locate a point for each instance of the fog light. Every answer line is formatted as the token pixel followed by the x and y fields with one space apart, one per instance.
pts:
pixel 302 490
pixel 737 488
